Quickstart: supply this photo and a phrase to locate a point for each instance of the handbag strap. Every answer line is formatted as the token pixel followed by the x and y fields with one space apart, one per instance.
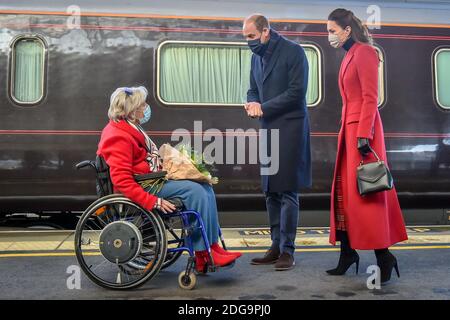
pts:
pixel 373 151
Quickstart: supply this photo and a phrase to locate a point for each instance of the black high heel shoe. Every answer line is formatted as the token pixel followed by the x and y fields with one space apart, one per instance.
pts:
pixel 345 262
pixel 386 261
pixel 348 256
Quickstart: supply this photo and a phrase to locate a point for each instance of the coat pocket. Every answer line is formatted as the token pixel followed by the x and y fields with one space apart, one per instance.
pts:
pixel 352 118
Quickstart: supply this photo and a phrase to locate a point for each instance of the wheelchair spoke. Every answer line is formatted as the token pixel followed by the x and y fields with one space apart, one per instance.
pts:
pixel 149 253
pixel 149 238
pixel 145 224
pixel 151 228
pixel 108 219
pixel 101 220
pixel 115 215
pixel 126 214
pixel 93 221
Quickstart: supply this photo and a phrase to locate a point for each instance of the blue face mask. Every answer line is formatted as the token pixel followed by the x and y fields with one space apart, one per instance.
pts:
pixel 257 47
pixel 147 115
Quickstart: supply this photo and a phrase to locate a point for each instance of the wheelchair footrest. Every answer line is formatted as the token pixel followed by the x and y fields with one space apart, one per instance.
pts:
pixel 212 268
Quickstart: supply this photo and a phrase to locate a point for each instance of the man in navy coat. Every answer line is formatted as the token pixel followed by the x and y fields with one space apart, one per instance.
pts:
pixel 277 96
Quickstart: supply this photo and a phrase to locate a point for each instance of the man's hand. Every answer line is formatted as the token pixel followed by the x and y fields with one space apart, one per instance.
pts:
pixel 363 146
pixel 253 109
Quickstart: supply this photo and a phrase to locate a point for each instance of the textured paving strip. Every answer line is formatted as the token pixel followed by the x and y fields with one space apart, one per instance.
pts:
pixel 235 238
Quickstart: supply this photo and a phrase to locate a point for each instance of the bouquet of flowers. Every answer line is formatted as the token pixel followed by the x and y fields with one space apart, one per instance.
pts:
pixel 183 163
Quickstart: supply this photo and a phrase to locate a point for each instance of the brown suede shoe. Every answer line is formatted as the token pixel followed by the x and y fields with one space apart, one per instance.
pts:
pixel 270 257
pixel 285 262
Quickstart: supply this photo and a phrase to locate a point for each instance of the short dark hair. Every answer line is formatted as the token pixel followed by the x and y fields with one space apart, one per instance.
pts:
pixel 260 21
pixel 345 18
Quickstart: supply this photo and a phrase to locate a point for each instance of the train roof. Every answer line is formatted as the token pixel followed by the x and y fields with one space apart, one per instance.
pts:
pixel 392 11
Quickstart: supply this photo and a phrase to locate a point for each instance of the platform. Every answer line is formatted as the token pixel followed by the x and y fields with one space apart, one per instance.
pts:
pixel 34 265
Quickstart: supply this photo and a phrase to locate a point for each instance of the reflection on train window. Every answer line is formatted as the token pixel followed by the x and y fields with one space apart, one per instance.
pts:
pixel 442 77
pixel 215 73
pixel 381 82
pixel 28 65
pixel 314 92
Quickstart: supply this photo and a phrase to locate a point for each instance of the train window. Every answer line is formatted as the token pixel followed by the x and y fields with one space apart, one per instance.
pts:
pixel 381 79
pixel 442 77
pixel 314 92
pixel 27 70
pixel 203 73
pixel 215 73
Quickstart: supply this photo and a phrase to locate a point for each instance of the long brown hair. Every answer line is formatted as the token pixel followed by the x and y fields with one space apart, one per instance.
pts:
pixel 345 18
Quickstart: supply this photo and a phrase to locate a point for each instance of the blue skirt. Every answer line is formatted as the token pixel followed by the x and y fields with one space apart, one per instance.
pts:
pixel 198 197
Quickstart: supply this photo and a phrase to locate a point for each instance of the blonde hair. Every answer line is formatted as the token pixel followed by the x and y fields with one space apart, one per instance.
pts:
pixel 125 101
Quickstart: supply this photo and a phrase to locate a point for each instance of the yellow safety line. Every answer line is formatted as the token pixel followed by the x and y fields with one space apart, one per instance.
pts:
pixel 70 254
pixel 420 247
pixel 337 249
pixel 48 254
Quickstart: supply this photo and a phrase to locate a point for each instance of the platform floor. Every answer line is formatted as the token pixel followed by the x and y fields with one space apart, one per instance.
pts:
pixel 33 265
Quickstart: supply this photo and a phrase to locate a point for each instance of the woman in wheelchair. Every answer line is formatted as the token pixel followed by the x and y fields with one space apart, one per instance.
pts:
pixel 129 151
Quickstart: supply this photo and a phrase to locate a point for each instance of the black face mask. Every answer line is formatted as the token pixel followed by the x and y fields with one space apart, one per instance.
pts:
pixel 257 47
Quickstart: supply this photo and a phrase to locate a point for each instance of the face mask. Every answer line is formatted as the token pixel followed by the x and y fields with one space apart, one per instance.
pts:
pixel 147 115
pixel 334 41
pixel 257 47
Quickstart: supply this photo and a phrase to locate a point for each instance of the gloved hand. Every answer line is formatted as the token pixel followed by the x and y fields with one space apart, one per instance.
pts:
pixel 363 146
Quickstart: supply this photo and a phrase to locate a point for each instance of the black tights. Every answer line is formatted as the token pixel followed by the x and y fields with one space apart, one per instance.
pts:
pixel 342 236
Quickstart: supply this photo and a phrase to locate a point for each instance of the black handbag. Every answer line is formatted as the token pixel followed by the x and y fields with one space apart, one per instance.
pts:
pixel 373 177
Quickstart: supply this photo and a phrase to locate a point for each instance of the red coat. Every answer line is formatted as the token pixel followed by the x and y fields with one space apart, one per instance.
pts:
pixel 374 221
pixel 124 150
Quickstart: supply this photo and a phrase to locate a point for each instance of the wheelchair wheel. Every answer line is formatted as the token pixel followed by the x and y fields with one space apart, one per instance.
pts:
pixel 187 281
pixel 115 234
pixel 175 239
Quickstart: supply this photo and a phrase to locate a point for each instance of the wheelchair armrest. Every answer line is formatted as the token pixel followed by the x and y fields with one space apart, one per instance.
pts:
pixel 149 176
pixel 83 164
pixel 177 203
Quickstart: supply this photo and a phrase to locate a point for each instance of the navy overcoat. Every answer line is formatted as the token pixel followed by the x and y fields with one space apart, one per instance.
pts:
pixel 280 86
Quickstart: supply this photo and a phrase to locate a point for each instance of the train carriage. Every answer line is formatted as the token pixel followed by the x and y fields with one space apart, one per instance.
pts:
pixel 56 76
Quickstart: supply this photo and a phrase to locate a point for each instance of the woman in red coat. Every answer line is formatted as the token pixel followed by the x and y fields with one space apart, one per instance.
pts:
pixel 128 151
pixel 375 221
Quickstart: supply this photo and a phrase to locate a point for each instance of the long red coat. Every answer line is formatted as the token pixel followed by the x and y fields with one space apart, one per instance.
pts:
pixel 124 150
pixel 374 221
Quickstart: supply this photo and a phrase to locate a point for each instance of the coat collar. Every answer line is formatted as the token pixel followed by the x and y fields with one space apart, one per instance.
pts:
pixel 272 52
pixel 125 126
pixel 348 57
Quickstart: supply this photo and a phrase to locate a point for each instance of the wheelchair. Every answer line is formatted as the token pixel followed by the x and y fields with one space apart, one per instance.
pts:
pixel 120 245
